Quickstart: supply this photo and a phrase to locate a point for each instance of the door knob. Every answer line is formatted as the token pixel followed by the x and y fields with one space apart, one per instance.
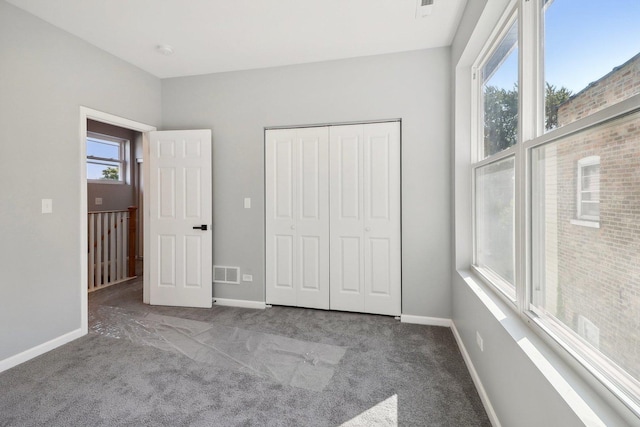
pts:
pixel 367 229
pixel 202 227
pixel 293 227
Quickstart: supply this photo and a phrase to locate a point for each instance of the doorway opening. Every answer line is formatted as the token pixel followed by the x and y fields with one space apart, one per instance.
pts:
pixel 112 175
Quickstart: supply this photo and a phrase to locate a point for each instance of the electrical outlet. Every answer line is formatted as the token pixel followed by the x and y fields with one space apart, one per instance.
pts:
pixel 98 200
pixel 480 341
pixel 247 278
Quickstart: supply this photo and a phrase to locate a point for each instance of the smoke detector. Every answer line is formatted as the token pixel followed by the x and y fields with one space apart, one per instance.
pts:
pixel 164 49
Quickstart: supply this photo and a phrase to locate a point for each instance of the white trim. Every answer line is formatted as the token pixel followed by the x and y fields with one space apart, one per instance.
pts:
pixel 85 114
pixel 36 351
pixel 261 305
pixel 484 397
pixel 424 320
pixel 584 223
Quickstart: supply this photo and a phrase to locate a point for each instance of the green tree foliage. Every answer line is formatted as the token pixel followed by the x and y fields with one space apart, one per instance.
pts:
pixel 500 118
pixel 110 173
pixel 501 115
pixel 553 98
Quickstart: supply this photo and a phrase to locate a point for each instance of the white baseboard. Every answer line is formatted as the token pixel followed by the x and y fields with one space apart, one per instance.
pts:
pixel 12 361
pixel 424 320
pixel 491 413
pixel 240 303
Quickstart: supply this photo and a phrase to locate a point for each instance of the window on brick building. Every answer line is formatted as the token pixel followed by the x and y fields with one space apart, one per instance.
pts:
pixel 588 189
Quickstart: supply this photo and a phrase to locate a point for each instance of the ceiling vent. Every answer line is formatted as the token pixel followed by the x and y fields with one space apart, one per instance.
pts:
pixel 424 8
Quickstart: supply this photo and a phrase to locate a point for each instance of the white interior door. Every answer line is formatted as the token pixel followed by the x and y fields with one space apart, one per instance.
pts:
pixel 382 237
pixel 297 217
pixel 365 243
pixel 180 236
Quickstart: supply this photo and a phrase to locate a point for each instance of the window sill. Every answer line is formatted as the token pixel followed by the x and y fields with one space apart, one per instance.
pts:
pixel 104 181
pixel 585 223
pixel 570 379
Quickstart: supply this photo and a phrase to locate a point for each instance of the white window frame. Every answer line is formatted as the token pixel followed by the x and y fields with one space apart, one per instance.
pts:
pixel 531 134
pixel 583 163
pixel 505 290
pixel 122 160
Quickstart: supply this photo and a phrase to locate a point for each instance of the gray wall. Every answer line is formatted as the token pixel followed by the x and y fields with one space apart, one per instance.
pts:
pixel 520 393
pixel 46 75
pixel 115 196
pixel 413 86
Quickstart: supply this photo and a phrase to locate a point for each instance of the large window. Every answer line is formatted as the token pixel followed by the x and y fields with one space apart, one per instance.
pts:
pixel 106 159
pixel 564 179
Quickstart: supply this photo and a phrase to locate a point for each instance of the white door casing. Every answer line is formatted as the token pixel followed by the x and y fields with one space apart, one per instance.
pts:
pixel 180 256
pixel 365 242
pixel 297 217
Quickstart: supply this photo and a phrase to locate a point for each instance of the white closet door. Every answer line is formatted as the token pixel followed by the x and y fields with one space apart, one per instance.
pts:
pixel 347 218
pixel 365 218
pixel 382 259
pixel 312 217
pixel 297 220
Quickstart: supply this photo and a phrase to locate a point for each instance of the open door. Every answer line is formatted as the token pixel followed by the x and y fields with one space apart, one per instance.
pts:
pixel 180 236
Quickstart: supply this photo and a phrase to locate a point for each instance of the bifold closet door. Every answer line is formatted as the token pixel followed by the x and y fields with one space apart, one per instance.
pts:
pixel 365 240
pixel 297 217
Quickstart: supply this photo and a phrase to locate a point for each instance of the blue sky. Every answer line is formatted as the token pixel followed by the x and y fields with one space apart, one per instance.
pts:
pixel 584 40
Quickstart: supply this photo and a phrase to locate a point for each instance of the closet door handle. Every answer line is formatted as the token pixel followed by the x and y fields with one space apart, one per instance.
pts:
pixel 202 227
pixel 367 229
pixel 293 227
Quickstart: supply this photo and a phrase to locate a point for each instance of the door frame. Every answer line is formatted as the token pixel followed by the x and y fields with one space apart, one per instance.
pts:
pixel 100 116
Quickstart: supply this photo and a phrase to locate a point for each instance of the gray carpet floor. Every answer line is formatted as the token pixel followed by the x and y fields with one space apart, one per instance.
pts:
pixel 391 374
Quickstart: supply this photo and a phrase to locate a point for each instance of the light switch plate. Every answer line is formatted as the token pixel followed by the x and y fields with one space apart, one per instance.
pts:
pixel 47 206
pixel 247 202
pixel 247 278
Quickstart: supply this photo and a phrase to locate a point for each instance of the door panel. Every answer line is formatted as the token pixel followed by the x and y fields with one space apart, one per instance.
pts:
pixel 192 259
pixel 280 220
pixel 346 223
pixel 365 218
pixel 312 217
pixel 167 260
pixel 382 254
pixel 180 198
pixel 192 191
pixel 309 263
pixel 297 207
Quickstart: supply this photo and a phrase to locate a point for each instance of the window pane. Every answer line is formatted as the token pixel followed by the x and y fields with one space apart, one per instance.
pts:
pixel 585 277
pixel 500 95
pixel 591 56
pixel 104 149
pixel 495 189
pixel 103 170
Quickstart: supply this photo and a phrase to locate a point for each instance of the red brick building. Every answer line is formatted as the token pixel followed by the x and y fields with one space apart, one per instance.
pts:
pixel 590 239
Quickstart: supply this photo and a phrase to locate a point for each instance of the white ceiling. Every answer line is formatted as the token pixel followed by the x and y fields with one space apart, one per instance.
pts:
pixel 225 35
